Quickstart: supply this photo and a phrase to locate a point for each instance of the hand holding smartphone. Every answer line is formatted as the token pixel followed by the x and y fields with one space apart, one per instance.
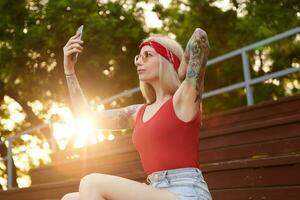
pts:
pixel 79 30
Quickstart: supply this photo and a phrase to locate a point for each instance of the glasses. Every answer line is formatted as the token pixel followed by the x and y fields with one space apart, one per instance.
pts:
pixel 145 56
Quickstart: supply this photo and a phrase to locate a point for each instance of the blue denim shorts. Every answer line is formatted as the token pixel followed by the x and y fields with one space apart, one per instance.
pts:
pixel 186 183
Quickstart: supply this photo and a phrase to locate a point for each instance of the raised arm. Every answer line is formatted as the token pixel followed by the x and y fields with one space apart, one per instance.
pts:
pixel 189 94
pixel 80 106
pixel 122 118
pixel 197 51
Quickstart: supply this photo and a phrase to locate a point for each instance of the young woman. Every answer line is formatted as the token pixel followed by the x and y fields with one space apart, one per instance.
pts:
pixel 166 128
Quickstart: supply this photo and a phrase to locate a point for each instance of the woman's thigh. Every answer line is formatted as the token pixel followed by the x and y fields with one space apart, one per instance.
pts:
pixel 119 188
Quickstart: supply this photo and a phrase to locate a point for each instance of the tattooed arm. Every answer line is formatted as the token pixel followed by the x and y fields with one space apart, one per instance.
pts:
pixel 79 103
pixel 189 94
pixel 197 51
pixel 121 118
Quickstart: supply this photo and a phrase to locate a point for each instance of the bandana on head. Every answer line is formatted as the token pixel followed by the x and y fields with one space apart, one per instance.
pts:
pixel 163 51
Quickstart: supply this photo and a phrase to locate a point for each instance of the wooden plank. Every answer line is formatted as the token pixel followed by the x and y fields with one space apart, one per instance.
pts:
pixel 277 176
pixel 254 177
pixel 204 142
pixel 258 193
pixel 56 189
pixel 105 147
pixel 251 136
pixel 282 107
pixel 252 163
pixel 67 172
pixel 241 127
pixel 43 191
pixel 116 164
pixel 265 148
pixel 78 168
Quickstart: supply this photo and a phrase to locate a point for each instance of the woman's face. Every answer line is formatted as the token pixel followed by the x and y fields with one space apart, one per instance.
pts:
pixel 147 64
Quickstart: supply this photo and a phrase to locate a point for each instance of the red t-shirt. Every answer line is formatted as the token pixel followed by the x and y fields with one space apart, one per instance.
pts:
pixel 166 142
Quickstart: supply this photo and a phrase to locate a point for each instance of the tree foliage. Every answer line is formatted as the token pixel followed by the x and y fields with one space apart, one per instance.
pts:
pixel 33 34
pixel 244 23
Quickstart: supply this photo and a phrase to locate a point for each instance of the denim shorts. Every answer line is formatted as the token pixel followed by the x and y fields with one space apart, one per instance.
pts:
pixel 186 183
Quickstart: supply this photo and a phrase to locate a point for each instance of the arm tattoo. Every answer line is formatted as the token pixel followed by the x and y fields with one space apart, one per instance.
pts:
pixel 112 119
pixel 198 46
pixel 79 103
pixel 117 118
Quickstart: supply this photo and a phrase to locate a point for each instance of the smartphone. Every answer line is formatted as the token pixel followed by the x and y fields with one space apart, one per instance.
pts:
pixel 79 30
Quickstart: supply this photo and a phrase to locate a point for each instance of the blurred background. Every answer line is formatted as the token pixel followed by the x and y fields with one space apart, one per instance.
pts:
pixel 33 88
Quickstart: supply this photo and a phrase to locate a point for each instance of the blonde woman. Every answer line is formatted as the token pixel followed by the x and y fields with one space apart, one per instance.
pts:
pixel 165 128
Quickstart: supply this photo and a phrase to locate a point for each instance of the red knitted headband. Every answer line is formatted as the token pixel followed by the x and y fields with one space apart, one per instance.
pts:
pixel 163 51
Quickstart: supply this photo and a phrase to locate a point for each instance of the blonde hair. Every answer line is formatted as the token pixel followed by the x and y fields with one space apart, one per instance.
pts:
pixel 168 77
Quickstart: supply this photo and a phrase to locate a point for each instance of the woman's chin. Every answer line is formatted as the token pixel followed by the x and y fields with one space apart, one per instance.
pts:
pixel 142 77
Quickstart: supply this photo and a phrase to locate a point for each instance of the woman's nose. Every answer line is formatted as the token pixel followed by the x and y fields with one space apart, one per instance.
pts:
pixel 138 61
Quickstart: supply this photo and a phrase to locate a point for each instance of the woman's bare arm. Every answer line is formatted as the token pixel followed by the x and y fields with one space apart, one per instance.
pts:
pixel 121 118
pixel 188 96
pixel 79 103
pixel 198 53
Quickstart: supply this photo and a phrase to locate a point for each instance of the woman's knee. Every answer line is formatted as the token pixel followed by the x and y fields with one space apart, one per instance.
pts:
pixel 71 196
pixel 90 186
pixel 90 181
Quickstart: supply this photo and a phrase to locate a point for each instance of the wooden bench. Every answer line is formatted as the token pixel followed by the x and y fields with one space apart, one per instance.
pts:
pixel 240 179
pixel 248 153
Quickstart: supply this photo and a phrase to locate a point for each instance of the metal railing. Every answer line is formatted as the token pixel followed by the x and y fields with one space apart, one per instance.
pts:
pixel 243 52
pixel 9 155
pixel 247 83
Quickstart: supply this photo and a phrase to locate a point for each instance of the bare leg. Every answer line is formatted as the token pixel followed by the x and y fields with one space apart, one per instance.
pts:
pixel 108 187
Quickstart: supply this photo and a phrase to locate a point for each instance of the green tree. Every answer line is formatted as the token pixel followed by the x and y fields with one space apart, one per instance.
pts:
pixel 244 23
pixel 33 34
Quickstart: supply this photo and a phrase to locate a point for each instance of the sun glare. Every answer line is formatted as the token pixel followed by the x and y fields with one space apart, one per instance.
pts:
pixel 111 137
pixel 24 181
pixel 100 136
pixel 62 133
pixel 15 113
pixel 84 132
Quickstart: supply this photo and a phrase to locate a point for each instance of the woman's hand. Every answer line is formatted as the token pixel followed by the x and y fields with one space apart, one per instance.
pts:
pixel 197 43
pixel 72 47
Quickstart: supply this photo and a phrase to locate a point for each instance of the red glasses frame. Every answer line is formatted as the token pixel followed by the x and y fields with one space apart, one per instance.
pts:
pixel 144 56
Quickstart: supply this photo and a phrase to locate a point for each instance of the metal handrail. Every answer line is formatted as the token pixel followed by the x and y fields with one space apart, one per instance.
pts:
pixel 248 81
pixel 9 156
pixel 246 70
